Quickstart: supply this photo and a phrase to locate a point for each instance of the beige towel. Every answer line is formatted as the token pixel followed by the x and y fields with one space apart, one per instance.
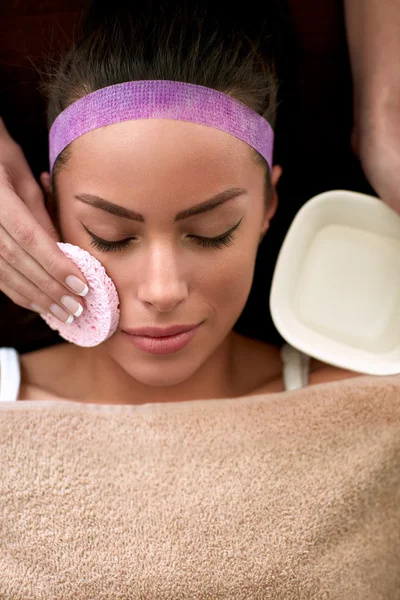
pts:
pixel 283 496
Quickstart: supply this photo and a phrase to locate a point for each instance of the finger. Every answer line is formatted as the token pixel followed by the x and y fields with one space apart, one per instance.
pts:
pixel 22 301
pixel 32 196
pixel 21 181
pixel 20 225
pixel 19 299
pixel 24 293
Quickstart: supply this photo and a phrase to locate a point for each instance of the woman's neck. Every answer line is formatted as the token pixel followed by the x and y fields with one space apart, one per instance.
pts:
pixel 109 383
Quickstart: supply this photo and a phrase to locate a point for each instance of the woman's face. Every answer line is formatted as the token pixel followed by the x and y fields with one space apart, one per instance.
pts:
pixel 166 190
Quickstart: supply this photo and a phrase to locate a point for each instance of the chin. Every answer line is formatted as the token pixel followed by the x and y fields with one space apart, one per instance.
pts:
pixel 158 371
pixel 163 375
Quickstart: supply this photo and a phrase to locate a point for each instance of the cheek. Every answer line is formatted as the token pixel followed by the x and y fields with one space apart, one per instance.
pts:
pixel 224 281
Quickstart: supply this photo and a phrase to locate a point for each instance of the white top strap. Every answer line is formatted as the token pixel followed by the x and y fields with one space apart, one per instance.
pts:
pixel 10 375
pixel 296 367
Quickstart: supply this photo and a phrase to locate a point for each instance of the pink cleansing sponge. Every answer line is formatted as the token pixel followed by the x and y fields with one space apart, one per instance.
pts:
pixel 100 316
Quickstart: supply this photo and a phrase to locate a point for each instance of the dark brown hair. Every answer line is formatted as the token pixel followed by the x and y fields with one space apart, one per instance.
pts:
pixel 191 41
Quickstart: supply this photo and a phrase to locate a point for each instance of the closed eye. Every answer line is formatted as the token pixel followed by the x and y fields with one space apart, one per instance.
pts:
pixel 224 239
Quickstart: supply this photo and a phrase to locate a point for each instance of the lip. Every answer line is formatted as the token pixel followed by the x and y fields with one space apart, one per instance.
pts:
pixel 162 343
pixel 157 332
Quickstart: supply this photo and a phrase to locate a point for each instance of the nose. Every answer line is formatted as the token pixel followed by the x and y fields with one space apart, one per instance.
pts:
pixel 163 285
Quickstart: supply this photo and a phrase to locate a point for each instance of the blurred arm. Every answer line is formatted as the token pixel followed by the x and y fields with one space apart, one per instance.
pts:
pixel 373 33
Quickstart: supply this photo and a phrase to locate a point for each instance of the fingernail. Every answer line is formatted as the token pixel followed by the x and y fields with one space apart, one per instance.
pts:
pixel 77 285
pixel 61 314
pixel 73 305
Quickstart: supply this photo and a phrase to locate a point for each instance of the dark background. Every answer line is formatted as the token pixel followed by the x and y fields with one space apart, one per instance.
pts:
pixel 312 133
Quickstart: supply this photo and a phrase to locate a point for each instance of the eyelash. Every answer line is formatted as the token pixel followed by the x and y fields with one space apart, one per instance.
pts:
pixel 218 242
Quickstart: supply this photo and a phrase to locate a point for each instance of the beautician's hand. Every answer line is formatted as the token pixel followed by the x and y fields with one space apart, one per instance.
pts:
pixel 33 270
pixel 377 144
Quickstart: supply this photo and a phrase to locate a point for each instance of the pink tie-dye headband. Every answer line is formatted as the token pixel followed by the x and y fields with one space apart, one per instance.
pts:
pixel 160 99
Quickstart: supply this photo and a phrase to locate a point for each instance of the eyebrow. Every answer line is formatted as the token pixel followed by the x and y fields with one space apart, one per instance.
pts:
pixel 126 213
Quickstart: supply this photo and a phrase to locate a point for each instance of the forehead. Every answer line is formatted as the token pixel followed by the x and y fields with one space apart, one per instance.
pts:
pixel 157 167
pixel 161 147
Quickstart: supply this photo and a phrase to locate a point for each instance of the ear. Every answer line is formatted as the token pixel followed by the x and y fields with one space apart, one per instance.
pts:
pixel 275 177
pixel 45 181
pixel 276 173
pixel 51 205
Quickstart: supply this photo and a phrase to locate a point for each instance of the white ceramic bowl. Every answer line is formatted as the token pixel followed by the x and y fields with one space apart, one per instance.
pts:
pixel 335 292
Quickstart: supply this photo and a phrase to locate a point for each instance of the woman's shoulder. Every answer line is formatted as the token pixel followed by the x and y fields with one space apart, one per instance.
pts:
pixel 260 367
pixel 45 373
pixel 321 372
